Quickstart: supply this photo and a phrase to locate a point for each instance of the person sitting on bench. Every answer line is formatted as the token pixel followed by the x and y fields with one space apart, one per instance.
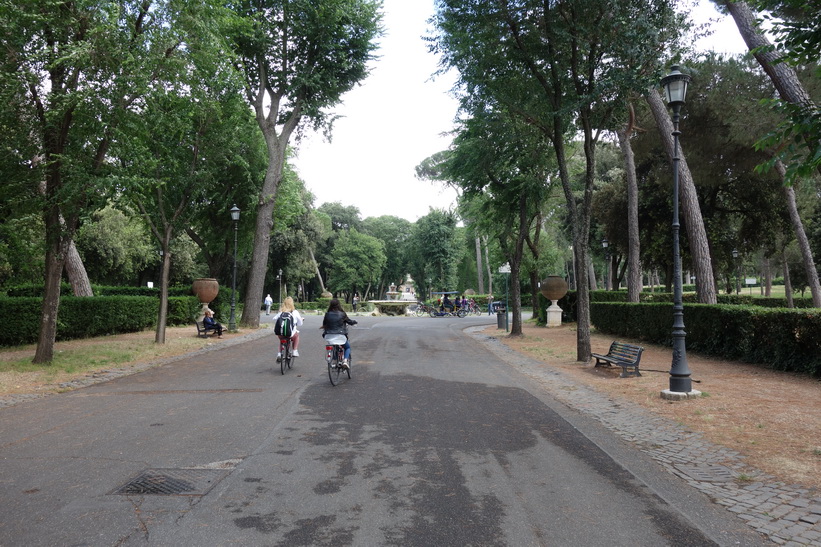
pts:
pixel 210 324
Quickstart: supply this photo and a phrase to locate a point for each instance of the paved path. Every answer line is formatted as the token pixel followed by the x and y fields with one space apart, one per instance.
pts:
pixel 787 514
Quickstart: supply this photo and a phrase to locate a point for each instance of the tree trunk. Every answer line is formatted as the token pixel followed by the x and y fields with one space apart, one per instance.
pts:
pixel 162 314
pixel 487 267
pixel 516 268
pixel 693 221
pixel 479 272
pixel 801 238
pixel 591 274
pixel 316 269
pixel 73 265
pixel 76 272
pixel 633 243
pixel 534 297
pixel 787 281
pixel 264 224
pixel 55 256
pixel 782 75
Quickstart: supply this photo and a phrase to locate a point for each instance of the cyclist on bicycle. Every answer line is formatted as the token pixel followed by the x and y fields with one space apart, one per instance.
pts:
pixel 336 321
pixel 288 307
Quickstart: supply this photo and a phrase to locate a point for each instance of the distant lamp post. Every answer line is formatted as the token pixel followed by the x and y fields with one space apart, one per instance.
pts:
pixel 279 278
pixel 675 88
pixel 232 322
pixel 606 246
pixel 505 269
pixel 737 278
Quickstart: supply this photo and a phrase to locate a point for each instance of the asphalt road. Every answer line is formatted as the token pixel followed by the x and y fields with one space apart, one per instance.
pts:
pixel 434 441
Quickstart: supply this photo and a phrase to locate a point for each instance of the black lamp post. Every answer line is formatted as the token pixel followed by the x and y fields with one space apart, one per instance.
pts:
pixel 232 322
pixel 606 246
pixel 279 278
pixel 737 279
pixel 675 88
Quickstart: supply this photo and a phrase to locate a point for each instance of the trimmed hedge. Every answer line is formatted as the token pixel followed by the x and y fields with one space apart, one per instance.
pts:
pixel 87 317
pixel 783 339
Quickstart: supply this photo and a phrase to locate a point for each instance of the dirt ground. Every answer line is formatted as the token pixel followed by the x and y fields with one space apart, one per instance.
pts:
pixel 774 418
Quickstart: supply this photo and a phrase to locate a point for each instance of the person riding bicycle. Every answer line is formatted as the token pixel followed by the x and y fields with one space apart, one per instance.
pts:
pixel 288 307
pixel 447 305
pixel 336 321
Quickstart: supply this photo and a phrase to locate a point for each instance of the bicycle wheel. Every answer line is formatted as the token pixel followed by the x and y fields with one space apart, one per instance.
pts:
pixel 420 311
pixel 350 364
pixel 461 313
pixel 334 368
pixel 289 359
pixel 285 350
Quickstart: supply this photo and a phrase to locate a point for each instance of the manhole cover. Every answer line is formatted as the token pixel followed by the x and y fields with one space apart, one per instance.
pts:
pixel 706 472
pixel 172 482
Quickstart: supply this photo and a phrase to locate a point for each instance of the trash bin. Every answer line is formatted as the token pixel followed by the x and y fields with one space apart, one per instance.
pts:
pixel 501 315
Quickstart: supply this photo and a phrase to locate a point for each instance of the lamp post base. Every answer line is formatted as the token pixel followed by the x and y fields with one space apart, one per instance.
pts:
pixel 680 395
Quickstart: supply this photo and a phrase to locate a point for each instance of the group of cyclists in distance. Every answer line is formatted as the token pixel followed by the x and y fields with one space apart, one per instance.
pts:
pixel 336 320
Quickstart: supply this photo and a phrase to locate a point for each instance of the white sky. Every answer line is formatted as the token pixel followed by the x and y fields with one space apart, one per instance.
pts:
pixel 397 118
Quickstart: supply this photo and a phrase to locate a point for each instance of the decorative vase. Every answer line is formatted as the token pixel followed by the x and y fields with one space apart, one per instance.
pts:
pixel 206 289
pixel 554 287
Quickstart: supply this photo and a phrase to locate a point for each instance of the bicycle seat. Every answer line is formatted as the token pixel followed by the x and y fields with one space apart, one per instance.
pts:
pixel 336 339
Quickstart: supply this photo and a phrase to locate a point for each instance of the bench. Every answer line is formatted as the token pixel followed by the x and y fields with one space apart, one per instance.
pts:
pixel 626 356
pixel 202 331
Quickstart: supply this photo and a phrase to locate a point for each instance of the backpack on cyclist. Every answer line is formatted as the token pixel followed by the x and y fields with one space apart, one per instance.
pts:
pixel 284 326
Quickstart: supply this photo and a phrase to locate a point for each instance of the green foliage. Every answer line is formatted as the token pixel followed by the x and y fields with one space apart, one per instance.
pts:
pixel 115 246
pixel 22 252
pixel 358 260
pixel 430 248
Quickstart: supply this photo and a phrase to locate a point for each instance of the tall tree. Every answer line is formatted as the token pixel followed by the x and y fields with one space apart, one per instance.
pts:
pixel 298 57
pixel 559 66
pixel 69 71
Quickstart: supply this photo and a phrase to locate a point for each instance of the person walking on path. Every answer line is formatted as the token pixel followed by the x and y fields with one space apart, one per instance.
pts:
pixel 490 304
pixel 268 303
pixel 355 301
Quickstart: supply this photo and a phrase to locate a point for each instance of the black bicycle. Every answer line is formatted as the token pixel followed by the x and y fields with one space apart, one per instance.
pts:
pixel 286 354
pixel 335 355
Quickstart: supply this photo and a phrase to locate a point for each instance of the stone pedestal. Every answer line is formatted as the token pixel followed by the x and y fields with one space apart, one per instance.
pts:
pixel 554 314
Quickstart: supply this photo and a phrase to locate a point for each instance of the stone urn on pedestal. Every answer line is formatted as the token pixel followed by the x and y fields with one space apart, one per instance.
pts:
pixel 206 289
pixel 554 288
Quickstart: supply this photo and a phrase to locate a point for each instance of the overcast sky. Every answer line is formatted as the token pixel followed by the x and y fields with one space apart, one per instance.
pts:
pixel 398 117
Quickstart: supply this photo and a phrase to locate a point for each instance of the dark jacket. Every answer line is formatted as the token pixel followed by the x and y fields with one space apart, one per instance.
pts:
pixel 336 322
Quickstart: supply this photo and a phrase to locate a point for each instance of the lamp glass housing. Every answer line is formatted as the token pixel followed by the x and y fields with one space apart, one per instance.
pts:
pixel 235 213
pixel 675 86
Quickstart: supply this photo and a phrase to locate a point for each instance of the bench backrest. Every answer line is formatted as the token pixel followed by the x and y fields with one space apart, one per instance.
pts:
pixel 625 352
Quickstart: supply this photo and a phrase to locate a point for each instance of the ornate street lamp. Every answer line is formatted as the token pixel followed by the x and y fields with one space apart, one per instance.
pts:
pixel 675 88
pixel 232 322
pixel 605 245
pixel 737 279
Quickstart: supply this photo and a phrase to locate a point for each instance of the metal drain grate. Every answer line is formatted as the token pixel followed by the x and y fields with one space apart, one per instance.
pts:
pixel 172 482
